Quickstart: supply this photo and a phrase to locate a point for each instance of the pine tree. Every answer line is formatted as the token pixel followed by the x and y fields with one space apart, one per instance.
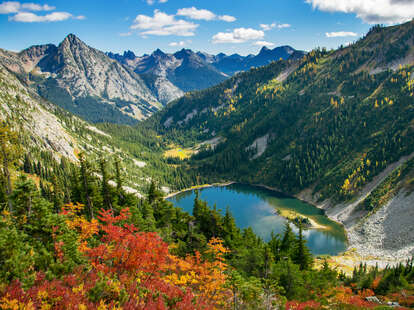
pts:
pixel 302 256
pixel 23 196
pixel 197 205
pixel 120 193
pixel 57 196
pixel 85 175
pixel 27 164
pixel 287 240
pixel 105 187
pixel 148 216
pixel 153 193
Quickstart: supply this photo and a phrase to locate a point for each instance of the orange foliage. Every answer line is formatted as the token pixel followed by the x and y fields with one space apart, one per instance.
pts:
pixel 128 269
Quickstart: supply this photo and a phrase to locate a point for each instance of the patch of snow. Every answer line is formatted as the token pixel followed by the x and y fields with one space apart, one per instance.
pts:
pixel 260 145
pixel 287 157
pixel 188 117
pixel 285 73
pixel 107 149
pixel 96 130
pixel 212 143
pixel 165 189
pixel 140 164
pixel 168 122
pixel 130 190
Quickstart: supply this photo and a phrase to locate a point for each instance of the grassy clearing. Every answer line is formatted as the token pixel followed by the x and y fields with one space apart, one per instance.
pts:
pixel 178 152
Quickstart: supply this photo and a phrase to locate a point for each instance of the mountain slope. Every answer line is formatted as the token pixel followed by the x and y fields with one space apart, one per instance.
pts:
pixel 84 81
pixel 321 128
pixel 53 137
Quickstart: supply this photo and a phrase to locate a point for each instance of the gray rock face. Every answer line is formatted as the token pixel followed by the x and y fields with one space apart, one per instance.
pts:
pixel 170 75
pixel 75 74
pixel 20 106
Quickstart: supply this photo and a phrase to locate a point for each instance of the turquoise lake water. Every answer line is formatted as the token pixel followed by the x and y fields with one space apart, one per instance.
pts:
pixel 256 207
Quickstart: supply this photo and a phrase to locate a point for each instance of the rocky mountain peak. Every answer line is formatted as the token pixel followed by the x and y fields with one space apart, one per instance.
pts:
pixel 71 38
pixel 184 53
pixel 158 53
pixel 264 49
pixel 129 55
pixel 72 42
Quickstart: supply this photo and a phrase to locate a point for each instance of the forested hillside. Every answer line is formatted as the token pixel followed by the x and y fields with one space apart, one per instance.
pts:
pixel 332 120
pixel 116 250
pixel 329 128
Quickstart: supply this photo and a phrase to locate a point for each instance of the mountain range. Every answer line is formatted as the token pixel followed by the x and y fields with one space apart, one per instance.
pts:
pixel 171 75
pixel 108 87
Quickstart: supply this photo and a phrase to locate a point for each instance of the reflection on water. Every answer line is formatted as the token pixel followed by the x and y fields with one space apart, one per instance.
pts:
pixel 255 207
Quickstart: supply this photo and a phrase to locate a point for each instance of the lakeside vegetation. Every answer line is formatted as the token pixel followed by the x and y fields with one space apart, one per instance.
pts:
pixel 109 249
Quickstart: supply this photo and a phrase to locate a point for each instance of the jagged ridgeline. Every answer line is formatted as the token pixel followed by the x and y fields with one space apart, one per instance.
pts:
pixel 84 81
pixel 125 88
pixel 329 122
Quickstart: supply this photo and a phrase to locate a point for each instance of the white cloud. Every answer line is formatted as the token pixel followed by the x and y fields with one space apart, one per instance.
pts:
pixel 370 11
pixel 27 17
pixel 227 18
pixel 181 43
pixel 263 43
pixel 37 7
pixel 281 26
pixel 9 7
pixel 239 35
pixel 197 14
pixel 23 12
pixel 162 24
pixel 125 34
pixel 202 14
pixel 267 27
pixel 341 34
pixel 151 2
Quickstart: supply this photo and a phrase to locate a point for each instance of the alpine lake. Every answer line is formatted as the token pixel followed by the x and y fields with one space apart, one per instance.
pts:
pixel 262 210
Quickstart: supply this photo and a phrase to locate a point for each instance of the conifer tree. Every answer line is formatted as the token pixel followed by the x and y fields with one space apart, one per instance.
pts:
pixel 301 255
pixel 120 194
pixel 287 240
pixel 87 185
pixel 105 187
pixel 57 194
pixel 148 216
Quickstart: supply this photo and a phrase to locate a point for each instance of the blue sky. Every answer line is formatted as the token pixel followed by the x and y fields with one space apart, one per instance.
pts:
pixel 213 26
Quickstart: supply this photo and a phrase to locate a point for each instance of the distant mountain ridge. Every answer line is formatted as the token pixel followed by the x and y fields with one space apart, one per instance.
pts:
pixel 107 87
pixel 170 75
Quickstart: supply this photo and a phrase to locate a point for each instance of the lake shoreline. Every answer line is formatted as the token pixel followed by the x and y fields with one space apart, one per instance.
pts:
pixel 343 260
pixel 170 195
pixel 314 224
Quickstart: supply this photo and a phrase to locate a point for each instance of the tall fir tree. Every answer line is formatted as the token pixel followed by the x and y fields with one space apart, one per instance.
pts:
pixel 301 255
